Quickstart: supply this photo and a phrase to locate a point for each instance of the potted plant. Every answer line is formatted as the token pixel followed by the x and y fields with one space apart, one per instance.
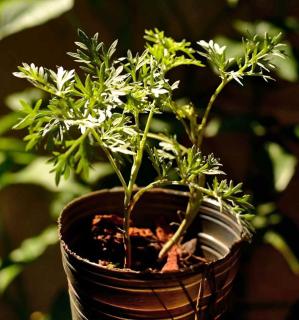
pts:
pixel 143 252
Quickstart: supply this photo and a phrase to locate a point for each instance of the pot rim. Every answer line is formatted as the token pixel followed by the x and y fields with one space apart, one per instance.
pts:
pixel 129 272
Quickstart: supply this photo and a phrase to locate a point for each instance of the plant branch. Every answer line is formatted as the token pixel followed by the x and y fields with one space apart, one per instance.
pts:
pixel 194 203
pixel 140 192
pixel 138 157
pixel 204 120
pixel 128 195
pixel 111 160
pixel 75 144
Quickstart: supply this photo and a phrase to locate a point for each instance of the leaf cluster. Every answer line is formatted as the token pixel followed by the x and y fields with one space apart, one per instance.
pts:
pixel 91 54
pixel 168 52
pixel 109 108
pixel 101 109
pixel 255 61
pixel 191 166
pixel 57 83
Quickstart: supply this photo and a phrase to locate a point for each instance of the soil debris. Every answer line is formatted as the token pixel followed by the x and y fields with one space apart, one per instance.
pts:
pixel 107 232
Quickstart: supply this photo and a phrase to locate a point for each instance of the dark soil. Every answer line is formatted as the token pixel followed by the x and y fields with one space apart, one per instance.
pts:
pixel 146 244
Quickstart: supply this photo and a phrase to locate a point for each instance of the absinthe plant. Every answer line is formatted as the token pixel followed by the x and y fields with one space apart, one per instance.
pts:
pixel 102 109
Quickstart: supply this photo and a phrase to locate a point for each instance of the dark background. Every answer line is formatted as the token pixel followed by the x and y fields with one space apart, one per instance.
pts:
pixel 266 288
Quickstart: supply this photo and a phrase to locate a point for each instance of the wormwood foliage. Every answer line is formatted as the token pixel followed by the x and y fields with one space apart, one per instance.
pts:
pixel 98 111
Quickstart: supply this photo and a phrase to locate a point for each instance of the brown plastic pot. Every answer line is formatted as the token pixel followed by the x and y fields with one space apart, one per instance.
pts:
pixel 98 293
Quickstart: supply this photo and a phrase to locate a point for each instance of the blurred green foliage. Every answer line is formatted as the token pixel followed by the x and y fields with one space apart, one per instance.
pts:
pixel 17 15
pixel 29 250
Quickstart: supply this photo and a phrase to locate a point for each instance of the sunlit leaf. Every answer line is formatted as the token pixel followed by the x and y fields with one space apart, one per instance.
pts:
pixel 159 125
pixel 7 275
pixel 38 172
pixel 261 222
pixel 213 127
pixel 265 208
pixel 98 171
pixel 37 315
pixel 60 201
pixel 29 250
pixel 29 95
pixel 261 219
pixel 17 15
pixel 283 165
pixel 8 121
pixel 12 157
pixel 258 128
pixel 233 47
pixel 292 23
pixel 232 3
pixel 287 68
pixel 258 27
pixel 11 144
pixel 34 247
pixel 275 240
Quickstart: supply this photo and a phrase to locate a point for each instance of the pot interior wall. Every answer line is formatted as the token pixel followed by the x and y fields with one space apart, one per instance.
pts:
pixel 217 232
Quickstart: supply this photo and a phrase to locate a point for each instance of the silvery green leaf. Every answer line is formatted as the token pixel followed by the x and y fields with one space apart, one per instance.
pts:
pixel 159 91
pixel 167 146
pixel 175 85
pixel 236 77
pixel 122 149
pixel 203 44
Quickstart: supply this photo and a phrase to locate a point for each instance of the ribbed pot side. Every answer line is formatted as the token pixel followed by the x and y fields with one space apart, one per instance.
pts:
pixel 98 293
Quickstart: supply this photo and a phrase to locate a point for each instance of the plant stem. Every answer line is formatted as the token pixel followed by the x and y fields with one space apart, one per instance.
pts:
pixel 138 158
pixel 111 160
pixel 75 144
pixel 221 86
pixel 194 203
pixel 204 120
pixel 128 195
pixel 141 191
